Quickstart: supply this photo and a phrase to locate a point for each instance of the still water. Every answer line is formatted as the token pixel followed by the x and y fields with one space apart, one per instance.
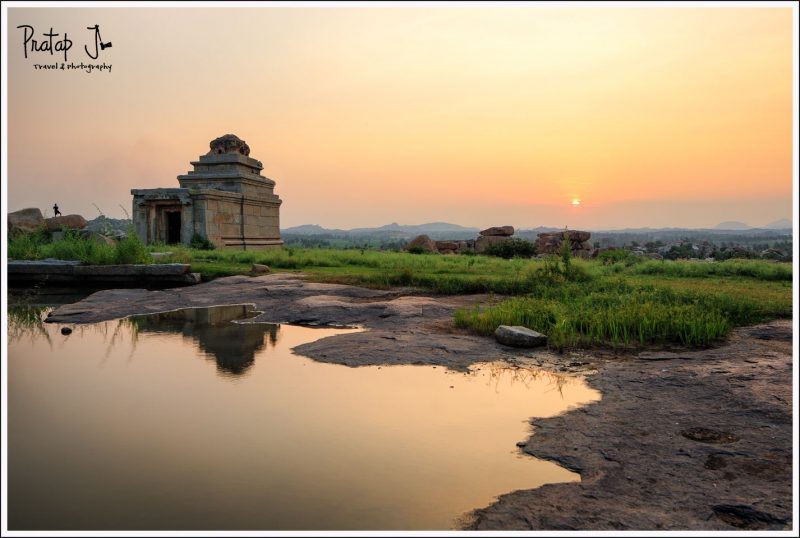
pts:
pixel 192 420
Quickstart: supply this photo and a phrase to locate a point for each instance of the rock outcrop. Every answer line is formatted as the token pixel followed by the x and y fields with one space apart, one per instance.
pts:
pixel 422 242
pixel 25 220
pixel 447 247
pixel 550 243
pixel 498 231
pixel 487 237
pixel 485 241
pixel 55 224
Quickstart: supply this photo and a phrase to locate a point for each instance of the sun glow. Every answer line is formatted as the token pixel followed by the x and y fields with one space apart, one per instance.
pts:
pixel 576 201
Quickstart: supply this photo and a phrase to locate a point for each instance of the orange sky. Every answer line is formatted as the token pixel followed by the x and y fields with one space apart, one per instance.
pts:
pixel 363 116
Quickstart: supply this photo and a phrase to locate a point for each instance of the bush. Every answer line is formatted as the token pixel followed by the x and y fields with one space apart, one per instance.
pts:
pixel 616 314
pixel 618 255
pixel 511 248
pixel 26 246
pixel 131 249
pixel 201 243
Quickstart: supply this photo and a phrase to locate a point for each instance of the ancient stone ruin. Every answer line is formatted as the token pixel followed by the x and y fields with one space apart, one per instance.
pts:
pixel 225 199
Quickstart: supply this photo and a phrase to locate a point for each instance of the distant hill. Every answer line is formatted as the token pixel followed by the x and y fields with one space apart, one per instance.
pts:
pixel 103 224
pixel 538 230
pixel 431 227
pixel 732 225
pixel 780 224
pixel 416 228
pixel 310 229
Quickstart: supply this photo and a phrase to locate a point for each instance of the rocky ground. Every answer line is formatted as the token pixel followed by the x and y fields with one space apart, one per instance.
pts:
pixel 680 440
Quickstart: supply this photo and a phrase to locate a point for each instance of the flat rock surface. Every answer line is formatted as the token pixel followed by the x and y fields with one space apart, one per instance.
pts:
pixel 699 440
pixel 696 439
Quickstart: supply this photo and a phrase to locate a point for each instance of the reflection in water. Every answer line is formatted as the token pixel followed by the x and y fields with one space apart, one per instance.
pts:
pixel 27 321
pixel 232 345
pixel 119 426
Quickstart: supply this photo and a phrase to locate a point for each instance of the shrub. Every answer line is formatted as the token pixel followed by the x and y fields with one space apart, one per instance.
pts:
pixel 511 248
pixel 617 255
pixel 26 246
pixel 130 249
pixel 201 243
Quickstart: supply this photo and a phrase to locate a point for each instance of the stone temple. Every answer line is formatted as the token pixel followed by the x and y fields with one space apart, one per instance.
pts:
pixel 225 199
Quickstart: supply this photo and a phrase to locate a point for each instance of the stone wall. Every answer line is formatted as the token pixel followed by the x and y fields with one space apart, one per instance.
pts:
pixel 233 220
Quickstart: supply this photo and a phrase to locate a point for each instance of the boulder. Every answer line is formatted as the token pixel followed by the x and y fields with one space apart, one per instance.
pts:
pixel 466 246
pixel 424 242
pixel 575 236
pixel 25 220
pixel 55 224
pixel 503 231
pixel 485 241
pixel 96 237
pixel 446 245
pixel 550 242
pixel 260 268
pixel 518 336
pixel 773 254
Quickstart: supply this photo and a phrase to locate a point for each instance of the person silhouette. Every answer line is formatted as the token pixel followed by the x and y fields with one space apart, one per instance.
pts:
pixel 56 212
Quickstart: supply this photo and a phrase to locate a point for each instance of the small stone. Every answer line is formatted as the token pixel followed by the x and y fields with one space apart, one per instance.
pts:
pixel 518 336
pixel 66 330
pixel 259 268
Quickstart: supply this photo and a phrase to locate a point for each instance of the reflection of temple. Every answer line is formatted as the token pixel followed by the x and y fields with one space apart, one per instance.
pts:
pixel 233 345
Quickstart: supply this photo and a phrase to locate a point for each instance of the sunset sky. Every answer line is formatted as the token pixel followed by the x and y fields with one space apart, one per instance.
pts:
pixel 363 116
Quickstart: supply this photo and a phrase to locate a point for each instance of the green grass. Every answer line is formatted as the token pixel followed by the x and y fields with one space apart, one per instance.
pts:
pixel 38 245
pixel 622 313
pixel 757 269
pixel 618 304
pixel 631 303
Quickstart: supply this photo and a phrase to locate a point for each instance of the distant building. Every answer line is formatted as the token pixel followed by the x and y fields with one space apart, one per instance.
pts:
pixel 225 199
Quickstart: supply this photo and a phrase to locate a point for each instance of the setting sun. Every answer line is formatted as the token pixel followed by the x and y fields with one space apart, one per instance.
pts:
pixel 576 201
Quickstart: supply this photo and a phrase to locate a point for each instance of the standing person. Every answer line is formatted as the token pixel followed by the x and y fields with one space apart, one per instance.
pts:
pixel 56 212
